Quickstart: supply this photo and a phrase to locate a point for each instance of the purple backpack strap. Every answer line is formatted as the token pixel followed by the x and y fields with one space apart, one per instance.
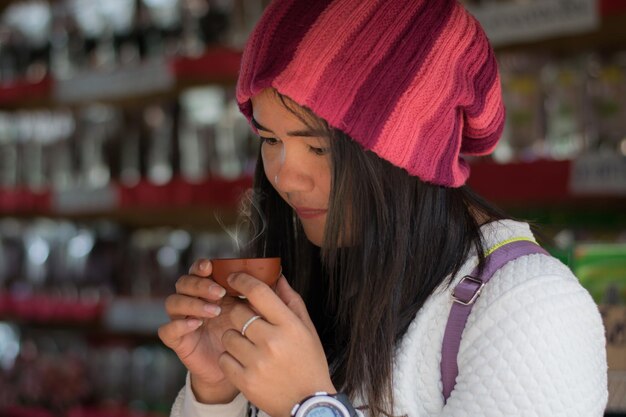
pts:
pixel 465 294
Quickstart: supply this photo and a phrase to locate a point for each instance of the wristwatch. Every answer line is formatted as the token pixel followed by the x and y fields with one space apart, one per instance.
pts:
pixel 323 404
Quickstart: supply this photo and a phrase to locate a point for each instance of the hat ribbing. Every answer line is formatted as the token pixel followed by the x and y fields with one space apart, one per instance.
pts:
pixel 414 81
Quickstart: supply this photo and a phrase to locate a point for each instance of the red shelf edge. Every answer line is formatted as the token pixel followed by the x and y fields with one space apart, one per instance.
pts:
pixel 609 7
pixel 542 182
pixel 538 183
pixel 178 193
pixel 24 200
pixel 47 308
pixel 23 90
pixel 216 64
pixel 214 192
pixel 25 411
pixel 76 411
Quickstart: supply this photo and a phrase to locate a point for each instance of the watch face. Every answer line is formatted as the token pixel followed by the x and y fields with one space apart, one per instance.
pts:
pixel 323 410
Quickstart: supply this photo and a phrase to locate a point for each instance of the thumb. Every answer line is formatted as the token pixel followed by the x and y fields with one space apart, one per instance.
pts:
pixel 294 301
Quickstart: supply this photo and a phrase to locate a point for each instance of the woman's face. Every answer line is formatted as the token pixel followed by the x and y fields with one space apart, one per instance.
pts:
pixel 296 161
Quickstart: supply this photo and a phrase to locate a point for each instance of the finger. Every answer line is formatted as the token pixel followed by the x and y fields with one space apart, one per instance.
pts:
pixel 255 328
pixel 261 297
pixel 293 300
pixel 201 267
pixel 172 333
pixel 232 369
pixel 240 347
pixel 239 313
pixel 200 287
pixel 177 305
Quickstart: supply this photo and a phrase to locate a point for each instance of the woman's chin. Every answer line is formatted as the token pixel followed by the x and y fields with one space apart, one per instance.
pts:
pixel 314 236
pixel 315 242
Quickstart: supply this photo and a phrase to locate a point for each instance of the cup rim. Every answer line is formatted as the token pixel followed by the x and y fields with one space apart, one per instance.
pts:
pixel 244 258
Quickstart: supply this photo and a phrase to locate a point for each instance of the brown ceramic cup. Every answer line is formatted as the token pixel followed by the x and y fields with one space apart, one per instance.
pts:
pixel 267 270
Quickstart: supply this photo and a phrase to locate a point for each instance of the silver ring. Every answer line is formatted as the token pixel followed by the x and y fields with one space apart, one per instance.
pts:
pixel 247 324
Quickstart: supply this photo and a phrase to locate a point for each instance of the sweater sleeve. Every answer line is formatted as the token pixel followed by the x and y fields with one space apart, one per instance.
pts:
pixel 538 350
pixel 186 405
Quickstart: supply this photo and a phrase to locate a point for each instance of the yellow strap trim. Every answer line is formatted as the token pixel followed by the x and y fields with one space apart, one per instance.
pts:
pixel 515 239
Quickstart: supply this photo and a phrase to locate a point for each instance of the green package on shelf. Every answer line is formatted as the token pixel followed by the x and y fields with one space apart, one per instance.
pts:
pixel 601 268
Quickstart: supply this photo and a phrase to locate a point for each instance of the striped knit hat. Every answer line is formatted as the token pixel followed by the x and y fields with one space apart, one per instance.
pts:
pixel 414 81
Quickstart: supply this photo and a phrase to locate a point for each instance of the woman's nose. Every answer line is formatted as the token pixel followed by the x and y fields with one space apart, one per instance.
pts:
pixel 291 176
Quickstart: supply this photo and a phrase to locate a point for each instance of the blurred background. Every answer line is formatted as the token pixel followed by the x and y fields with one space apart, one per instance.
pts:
pixel 123 157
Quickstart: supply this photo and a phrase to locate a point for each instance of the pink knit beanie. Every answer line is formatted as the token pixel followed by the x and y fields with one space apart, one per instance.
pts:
pixel 414 81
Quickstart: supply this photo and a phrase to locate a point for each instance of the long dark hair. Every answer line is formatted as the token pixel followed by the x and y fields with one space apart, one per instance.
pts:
pixel 390 241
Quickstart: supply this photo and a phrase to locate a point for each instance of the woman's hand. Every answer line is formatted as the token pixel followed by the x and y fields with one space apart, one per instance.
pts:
pixel 198 313
pixel 280 360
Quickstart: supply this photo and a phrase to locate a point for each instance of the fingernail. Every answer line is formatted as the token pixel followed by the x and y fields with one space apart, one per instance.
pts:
pixel 217 291
pixel 204 265
pixel 194 323
pixel 212 309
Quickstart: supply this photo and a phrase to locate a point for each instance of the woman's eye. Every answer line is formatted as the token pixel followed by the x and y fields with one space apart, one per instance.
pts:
pixel 269 141
pixel 318 151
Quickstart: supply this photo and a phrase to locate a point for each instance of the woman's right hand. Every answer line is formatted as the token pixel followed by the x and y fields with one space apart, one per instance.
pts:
pixel 195 331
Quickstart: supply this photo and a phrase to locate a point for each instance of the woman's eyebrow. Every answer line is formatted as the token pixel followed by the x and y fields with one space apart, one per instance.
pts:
pixel 259 126
pixel 307 133
pixel 299 133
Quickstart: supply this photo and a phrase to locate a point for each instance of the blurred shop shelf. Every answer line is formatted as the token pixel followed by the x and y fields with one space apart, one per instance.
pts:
pixel 24 411
pixel 146 79
pixel 113 411
pixel 46 308
pixel 587 23
pixel 135 316
pixel 617 392
pixel 26 92
pixel 214 192
pixel 554 25
pixel 144 198
pixel 118 316
pixel 585 182
pixel 217 65
pixel 608 7
pixel 126 86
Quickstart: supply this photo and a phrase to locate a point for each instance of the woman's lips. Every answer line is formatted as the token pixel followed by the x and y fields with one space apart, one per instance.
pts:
pixel 309 213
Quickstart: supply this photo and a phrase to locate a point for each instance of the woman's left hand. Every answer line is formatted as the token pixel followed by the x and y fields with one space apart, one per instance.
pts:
pixel 280 360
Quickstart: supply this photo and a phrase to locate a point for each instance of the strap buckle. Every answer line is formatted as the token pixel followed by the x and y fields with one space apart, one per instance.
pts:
pixel 469 283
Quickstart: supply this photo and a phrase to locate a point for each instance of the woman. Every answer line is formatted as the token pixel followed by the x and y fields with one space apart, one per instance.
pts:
pixel 363 109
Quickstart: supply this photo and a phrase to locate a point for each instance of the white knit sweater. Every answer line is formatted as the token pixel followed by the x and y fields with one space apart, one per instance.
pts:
pixel 533 346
